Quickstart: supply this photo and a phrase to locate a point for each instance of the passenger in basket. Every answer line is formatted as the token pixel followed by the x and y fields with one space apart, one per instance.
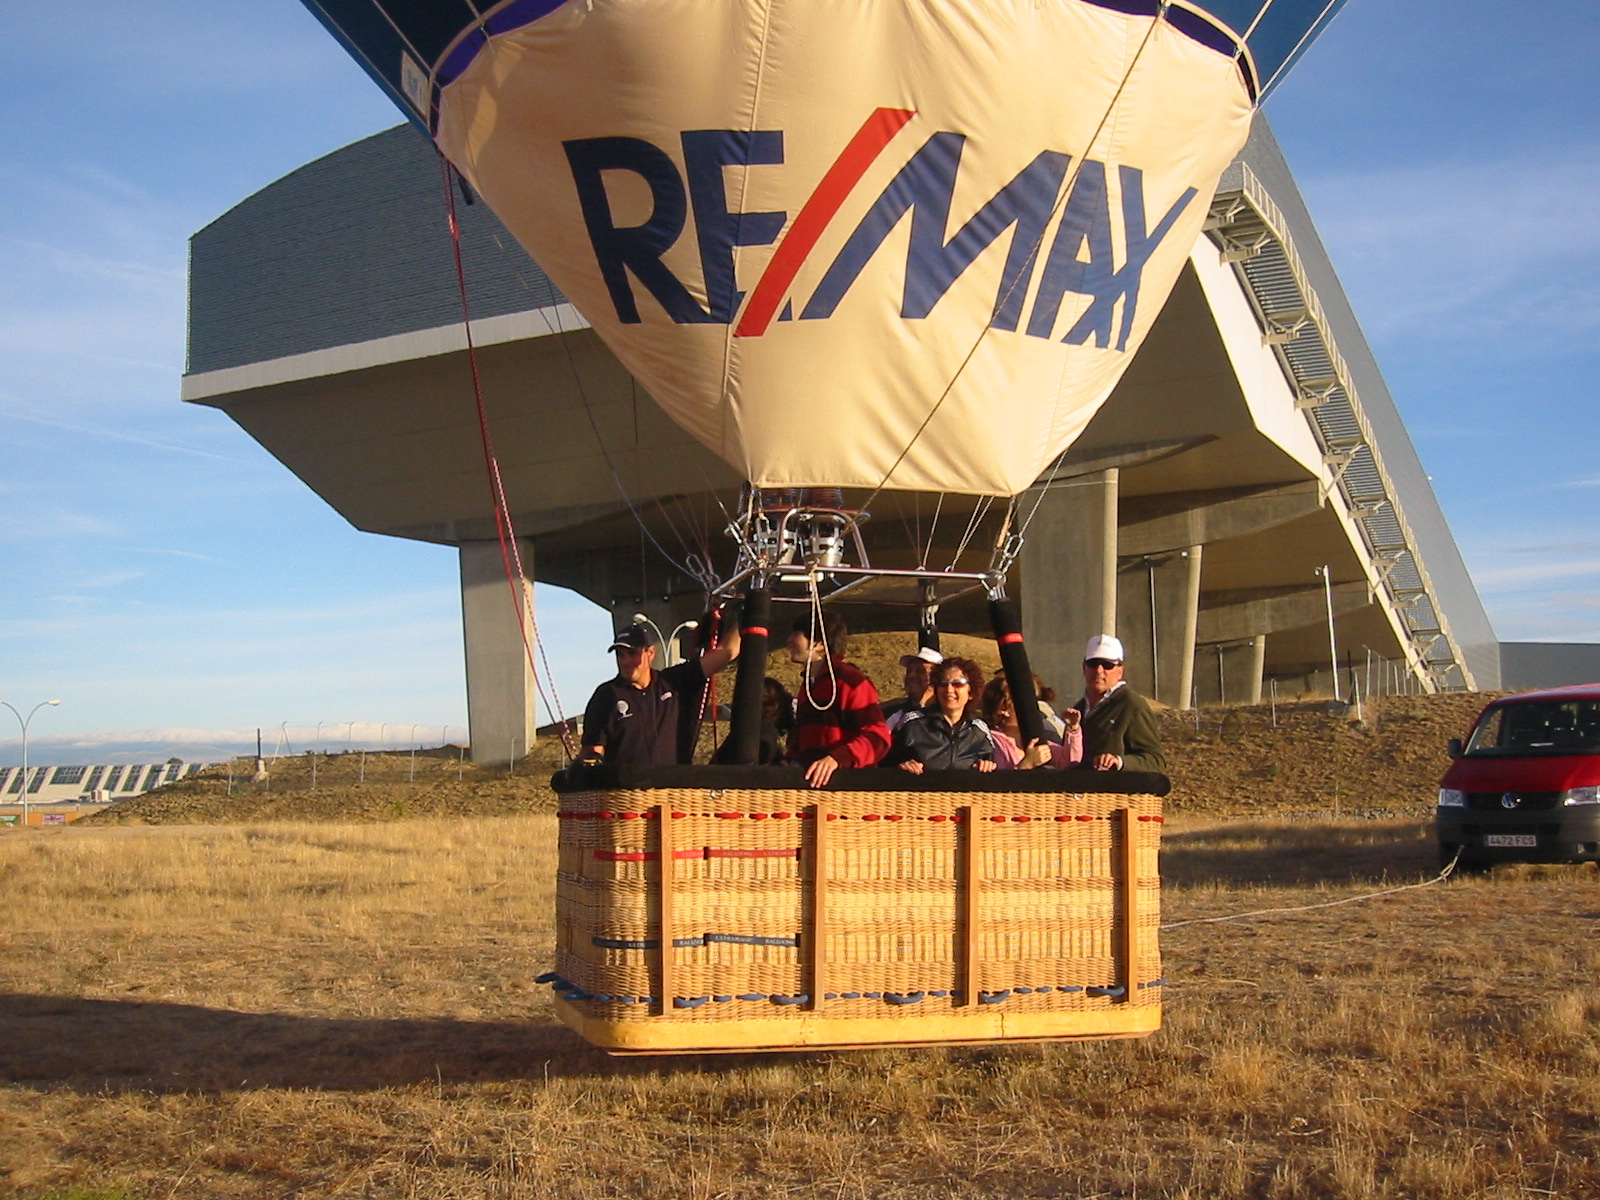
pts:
pixel 837 721
pixel 947 735
pixel 777 719
pixel 1119 730
pixel 1055 728
pixel 646 716
pixel 1004 728
pixel 918 684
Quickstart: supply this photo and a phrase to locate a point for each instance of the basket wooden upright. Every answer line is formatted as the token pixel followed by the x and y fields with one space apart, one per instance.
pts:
pixel 729 908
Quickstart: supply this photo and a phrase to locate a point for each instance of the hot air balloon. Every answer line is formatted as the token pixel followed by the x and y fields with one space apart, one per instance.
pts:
pixel 867 244
pixel 940 229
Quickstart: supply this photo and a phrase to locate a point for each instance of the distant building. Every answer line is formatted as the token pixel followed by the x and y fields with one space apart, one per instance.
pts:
pixel 105 783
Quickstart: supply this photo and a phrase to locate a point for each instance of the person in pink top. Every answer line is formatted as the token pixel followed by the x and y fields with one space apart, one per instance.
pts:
pixel 1001 717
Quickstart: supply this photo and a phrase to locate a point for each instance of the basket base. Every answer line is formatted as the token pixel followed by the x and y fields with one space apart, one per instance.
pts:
pixel 820 1032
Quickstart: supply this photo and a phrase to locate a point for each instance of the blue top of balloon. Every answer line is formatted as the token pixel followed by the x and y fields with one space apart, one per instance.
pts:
pixel 1266 36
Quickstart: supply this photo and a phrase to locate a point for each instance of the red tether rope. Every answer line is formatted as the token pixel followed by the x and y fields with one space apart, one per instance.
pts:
pixel 510 554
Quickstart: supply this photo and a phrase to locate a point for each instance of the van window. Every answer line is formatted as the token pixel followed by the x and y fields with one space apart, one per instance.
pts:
pixel 1539 727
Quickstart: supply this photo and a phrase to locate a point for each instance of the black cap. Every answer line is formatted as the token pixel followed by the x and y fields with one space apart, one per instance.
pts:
pixel 631 637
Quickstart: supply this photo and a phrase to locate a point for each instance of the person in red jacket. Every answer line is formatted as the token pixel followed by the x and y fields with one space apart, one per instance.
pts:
pixel 837 719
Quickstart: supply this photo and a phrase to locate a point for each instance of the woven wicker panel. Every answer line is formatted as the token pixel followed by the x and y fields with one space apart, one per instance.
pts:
pixel 913 920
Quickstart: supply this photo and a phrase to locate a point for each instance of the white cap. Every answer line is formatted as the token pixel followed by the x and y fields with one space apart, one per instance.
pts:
pixel 925 654
pixel 1103 645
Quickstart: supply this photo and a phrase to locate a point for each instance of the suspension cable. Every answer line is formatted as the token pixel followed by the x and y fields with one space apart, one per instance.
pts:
pixel 1062 193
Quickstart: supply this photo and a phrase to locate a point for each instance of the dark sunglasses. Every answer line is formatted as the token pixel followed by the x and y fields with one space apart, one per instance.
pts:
pixel 951 683
pixel 1103 664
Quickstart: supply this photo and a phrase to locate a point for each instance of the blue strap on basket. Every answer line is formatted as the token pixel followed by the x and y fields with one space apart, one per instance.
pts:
pixel 571 991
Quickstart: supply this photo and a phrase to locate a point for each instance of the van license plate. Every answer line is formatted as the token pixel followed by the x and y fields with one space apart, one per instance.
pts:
pixel 1510 839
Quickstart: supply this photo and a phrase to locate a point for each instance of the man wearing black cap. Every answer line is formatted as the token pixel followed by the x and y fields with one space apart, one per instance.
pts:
pixel 649 716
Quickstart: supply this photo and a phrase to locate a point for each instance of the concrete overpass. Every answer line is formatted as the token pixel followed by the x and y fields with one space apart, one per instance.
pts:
pixel 1251 444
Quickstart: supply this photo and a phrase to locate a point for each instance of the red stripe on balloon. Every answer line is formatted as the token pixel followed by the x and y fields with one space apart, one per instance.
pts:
pixel 875 133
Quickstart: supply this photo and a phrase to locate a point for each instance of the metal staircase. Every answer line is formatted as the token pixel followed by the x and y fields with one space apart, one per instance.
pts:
pixel 1253 237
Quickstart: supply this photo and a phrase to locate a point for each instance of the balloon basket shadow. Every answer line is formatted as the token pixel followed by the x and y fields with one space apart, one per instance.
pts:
pixel 737 911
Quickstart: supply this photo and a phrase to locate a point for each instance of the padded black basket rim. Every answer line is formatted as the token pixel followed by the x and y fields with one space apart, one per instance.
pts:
pixel 1073 781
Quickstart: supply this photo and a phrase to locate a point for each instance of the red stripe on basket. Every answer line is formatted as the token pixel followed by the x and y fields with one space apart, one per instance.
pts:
pixel 773 853
pixel 644 855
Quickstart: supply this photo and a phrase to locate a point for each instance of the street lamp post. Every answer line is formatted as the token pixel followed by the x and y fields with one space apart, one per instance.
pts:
pixel 644 620
pixel 1333 645
pixel 674 655
pixel 413 778
pixel 25 722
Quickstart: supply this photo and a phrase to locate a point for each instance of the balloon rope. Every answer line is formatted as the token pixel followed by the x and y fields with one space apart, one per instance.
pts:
pixel 510 553
pixel 1026 270
pixel 979 512
pixel 827 651
pixel 1266 86
pixel 932 529
pixel 559 330
pixel 1250 30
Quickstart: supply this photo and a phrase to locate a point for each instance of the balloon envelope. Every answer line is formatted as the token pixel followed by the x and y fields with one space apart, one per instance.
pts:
pixel 901 243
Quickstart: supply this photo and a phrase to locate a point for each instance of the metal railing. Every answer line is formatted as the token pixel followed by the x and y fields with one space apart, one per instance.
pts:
pixel 1253 236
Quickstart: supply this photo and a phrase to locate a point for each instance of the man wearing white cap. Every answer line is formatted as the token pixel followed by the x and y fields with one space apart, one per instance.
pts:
pixel 1119 730
pixel 919 691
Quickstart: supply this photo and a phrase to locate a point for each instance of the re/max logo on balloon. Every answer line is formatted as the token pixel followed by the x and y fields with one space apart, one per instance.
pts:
pixel 1068 243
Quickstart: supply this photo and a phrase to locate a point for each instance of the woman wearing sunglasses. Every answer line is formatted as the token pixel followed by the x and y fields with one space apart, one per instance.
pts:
pixel 946 735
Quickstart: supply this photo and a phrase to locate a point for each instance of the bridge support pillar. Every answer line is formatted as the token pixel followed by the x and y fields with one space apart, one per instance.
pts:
pixel 1157 613
pixel 1231 672
pixel 1069 575
pixel 501 714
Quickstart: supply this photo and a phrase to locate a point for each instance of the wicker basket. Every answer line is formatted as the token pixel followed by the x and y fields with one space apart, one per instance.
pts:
pixel 899 915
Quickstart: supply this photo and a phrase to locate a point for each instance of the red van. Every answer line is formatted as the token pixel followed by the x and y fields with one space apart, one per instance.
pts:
pixel 1526 785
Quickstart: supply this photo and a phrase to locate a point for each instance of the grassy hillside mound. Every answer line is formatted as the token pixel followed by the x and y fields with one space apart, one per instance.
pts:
pixel 1246 761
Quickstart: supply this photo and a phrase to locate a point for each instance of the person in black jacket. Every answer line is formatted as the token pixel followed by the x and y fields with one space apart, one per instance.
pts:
pixel 947 735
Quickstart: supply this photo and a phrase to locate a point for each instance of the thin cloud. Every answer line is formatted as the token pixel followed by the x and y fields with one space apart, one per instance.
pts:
pixel 1466 250
pixel 51 524
pixel 1510 577
pixel 189 554
pixel 117 435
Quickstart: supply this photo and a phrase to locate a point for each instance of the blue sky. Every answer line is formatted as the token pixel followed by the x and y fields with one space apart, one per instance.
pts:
pixel 176 588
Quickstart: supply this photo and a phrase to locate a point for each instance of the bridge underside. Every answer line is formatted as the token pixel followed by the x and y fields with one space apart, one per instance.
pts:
pixel 1224 503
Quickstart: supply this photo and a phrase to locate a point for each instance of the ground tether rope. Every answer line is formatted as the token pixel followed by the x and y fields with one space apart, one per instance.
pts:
pixel 1299 908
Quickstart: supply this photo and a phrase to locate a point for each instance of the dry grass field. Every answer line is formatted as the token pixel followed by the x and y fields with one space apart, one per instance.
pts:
pixel 347 1010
